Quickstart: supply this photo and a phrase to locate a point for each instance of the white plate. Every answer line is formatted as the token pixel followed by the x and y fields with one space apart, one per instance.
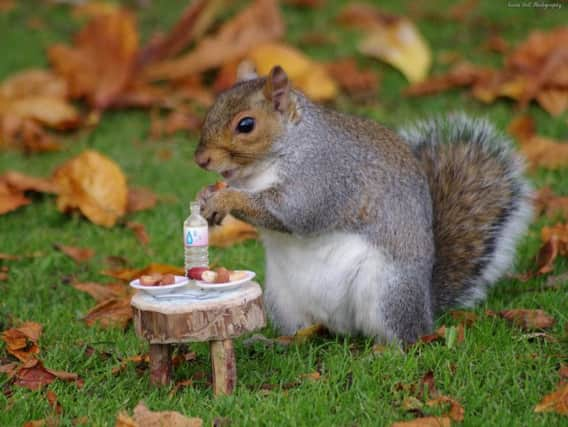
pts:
pixel 180 282
pixel 228 285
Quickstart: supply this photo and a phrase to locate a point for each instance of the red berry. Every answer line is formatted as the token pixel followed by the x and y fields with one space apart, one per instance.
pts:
pixel 196 272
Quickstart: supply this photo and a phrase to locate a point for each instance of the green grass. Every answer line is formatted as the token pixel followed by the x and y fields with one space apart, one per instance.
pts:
pixel 497 374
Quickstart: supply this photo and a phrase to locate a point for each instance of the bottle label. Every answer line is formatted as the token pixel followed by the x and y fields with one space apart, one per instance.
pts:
pixel 196 236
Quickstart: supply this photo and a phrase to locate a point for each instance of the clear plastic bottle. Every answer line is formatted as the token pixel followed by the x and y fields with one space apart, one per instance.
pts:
pixel 195 239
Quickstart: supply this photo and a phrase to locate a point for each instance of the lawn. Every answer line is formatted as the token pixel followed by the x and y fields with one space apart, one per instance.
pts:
pixel 498 374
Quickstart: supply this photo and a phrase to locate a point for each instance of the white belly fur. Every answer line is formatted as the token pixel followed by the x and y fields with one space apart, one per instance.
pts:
pixel 333 279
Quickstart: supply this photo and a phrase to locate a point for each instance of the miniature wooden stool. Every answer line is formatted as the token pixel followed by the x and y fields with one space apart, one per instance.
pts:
pixel 214 316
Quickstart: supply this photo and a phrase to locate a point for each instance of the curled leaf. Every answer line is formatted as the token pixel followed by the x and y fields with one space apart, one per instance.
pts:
pixel 230 232
pixel 529 319
pixel 95 185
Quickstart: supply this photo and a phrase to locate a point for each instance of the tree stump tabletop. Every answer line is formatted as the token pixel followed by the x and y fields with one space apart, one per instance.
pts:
pixel 198 315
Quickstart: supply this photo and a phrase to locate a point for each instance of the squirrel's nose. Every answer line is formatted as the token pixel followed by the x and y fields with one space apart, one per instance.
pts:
pixel 202 159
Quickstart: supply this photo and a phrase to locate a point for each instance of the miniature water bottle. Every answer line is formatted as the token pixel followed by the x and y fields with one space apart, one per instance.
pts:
pixel 195 239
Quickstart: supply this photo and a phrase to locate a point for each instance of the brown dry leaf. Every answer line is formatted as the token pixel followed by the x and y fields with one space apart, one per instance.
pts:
pixel 101 63
pixel 393 39
pixel 9 369
pixel 547 255
pixel 130 274
pixel 78 255
pixel 7 5
pixel 102 292
pixel 11 199
pixel 38 95
pixel 113 312
pixel 529 319
pixel 92 9
pixel 425 422
pixel 21 182
pixel 230 232
pixel 174 122
pixel 550 204
pixel 305 73
pixel 355 82
pixel 124 420
pixel 138 360
pixel 461 10
pixel 22 341
pixel 560 232
pixel 140 199
pixel 179 385
pixel 193 23
pixel 557 401
pixel 139 231
pixel 258 23
pixel 467 318
pixel 53 402
pixel 313 376
pixel 461 74
pixel 33 375
pixel 95 185
pixel 146 418
pixel 456 411
pixel 427 386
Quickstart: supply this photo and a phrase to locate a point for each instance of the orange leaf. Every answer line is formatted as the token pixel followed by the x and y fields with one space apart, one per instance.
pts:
pixel 146 418
pixel 140 199
pixel 95 185
pixel 77 254
pixel 100 64
pixel 456 412
pixel 230 232
pixel 129 274
pixel 547 255
pixel 10 199
pixel 550 204
pixel 33 375
pixel 114 312
pixel 102 292
pixel 529 319
pixel 22 341
pixel 557 401
pixel 21 182
pixel 139 231
pixel 53 402
pixel 259 22
pixel 425 422
pixel 355 82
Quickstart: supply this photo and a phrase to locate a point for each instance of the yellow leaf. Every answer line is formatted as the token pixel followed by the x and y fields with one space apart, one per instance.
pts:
pixel 95 185
pixel 231 231
pixel 309 76
pixel 393 39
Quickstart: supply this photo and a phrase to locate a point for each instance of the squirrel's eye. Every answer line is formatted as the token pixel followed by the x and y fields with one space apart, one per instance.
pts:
pixel 246 125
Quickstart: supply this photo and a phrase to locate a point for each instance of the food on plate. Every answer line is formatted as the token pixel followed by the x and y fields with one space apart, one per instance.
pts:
pixel 196 272
pixel 217 276
pixel 157 279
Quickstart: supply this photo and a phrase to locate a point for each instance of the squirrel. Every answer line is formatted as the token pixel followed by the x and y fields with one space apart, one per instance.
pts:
pixel 367 231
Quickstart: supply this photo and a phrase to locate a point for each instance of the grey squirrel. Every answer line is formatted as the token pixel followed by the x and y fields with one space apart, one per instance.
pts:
pixel 366 231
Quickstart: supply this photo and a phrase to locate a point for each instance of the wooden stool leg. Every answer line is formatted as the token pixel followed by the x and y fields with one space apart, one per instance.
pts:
pixel 224 367
pixel 160 364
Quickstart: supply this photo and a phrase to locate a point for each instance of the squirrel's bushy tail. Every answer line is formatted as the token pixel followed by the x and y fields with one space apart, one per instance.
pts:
pixel 481 204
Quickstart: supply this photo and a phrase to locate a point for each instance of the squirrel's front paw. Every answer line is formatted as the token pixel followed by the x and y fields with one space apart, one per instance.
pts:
pixel 214 206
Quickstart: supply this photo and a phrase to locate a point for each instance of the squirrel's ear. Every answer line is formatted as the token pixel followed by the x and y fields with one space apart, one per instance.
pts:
pixel 277 89
pixel 246 71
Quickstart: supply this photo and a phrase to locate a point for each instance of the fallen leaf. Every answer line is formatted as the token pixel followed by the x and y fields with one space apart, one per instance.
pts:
pixel 558 232
pixel 230 232
pixel 146 418
pixel 463 9
pixel 424 422
pixel 550 204
pixel 95 185
pixel 139 231
pixel 53 402
pixel 114 312
pixel 356 83
pixel 124 420
pixel 456 411
pixel 78 255
pixel 131 274
pixel 563 371
pixel 138 360
pixel 91 9
pixel 21 182
pixel 7 5
pixel 547 255
pixel 557 401
pixel 101 63
pixel 545 152
pixel 174 122
pixel 427 386
pixel 468 318
pixel 33 375
pixel 390 38
pixel 313 376
pixel 528 319
pixel 9 369
pixel 411 403
pixel 260 22
pixel 306 74
pixel 140 199
pixel 192 24
pixel 102 292
pixel 179 385
pixel 22 341
pixel 10 199
pixel 305 3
